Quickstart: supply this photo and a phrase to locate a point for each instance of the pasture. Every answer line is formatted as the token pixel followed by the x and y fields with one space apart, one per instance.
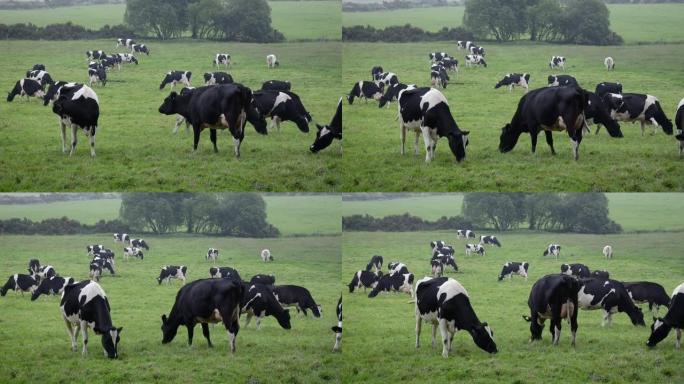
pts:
pixel 380 332
pixel 136 150
pixel 373 162
pixel 34 333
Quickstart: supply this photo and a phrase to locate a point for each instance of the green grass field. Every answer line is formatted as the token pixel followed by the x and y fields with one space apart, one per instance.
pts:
pixel 136 149
pixel 373 162
pixel 34 331
pixel 380 335
pixel 297 20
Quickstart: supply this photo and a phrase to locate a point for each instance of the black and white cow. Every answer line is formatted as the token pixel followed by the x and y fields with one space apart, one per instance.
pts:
pixel 673 319
pixel 104 263
pixel 444 303
pixel 439 77
pixel 205 301
pixel 557 62
pixel 450 64
pixel 40 76
pixel 78 107
pixel 632 107
pixel 553 297
pixel 600 275
pixel 142 48
pixel 437 56
pixel 216 107
pixel 94 249
pixel 611 296
pixel 133 252
pixel 95 270
pixel 139 243
pixel 608 87
pixel 33 266
pixel 514 268
pixel 325 134
pixel 561 80
pixel 338 329
pixel 93 55
pixel 547 109
pixel 266 255
pixel 365 90
pixel 552 249
pixel 446 260
pixel 84 305
pixel 426 111
pixel 282 106
pixel 169 272
pixel 221 59
pixel 122 237
pixel 464 234
pixel 53 90
pixel 276 85
pixel 445 250
pixel 460 44
pixel 609 63
pixel 365 279
pixel 127 58
pixel 679 121
pixel 475 60
pixel 596 112
pixel 375 263
pixel 224 272
pixel 437 244
pixel 376 72
pixel 475 248
pixel 259 301
pixel 298 297
pixel 124 42
pixel 263 279
pixel 46 272
pixel 26 87
pixel 396 267
pixel 52 286
pixel 489 240
pixel 514 79
pixel 579 270
pixel 272 61
pixel 608 252
pixel 475 50
pixel 174 77
pixel 397 282
pixel 19 283
pixel 211 78
pixel 212 254
pixel 97 75
pixel 643 292
pixel 437 267
pixel 38 67
pixel 111 62
pixel 387 78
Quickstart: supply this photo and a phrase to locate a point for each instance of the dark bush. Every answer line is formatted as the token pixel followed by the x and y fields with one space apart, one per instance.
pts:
pixel 401 34
pixel 402 223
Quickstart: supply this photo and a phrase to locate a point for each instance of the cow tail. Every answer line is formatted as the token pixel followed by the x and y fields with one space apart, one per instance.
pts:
pixel 571 310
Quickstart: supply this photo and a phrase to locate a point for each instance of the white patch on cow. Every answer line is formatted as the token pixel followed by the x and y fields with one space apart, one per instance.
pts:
pixel 679 289
pixel 432 98
pixel 281 98
pixel 90 291
pixel 87 93
pixel 657 324
pixel 451 288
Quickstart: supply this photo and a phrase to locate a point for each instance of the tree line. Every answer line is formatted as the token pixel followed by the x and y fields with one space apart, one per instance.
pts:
pixel 402 34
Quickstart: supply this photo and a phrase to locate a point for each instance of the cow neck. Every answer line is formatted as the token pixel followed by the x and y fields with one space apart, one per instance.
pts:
pixel 183 107
pixel 465 317
pixel 103 320
pixel 444 119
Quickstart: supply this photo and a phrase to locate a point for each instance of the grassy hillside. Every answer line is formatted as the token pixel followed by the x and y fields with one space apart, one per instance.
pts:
pixel 35 331
pixel 381 335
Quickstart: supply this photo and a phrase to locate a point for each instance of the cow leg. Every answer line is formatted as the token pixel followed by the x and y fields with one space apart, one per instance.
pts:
pixel 233 329
pixel 642 127
pixel 428 145
pixel 91 139
pixel 196 136
pixel 434 334
pixel 277 123
pixel 249 318
pixel 606 318
pixel 533 139
pixel 191 333
pixel 679 338
pixel 74 139
pixel 62 128
pixel 549 141
pixel 418 327
pixel 402 136
pixel 212 136
pixel 258 321
pixel 445 337
pixel 73 334
pixel 84 330
pixel 416 143
pixel 236 146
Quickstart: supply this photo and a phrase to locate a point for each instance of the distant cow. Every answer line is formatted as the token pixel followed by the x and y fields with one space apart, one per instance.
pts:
pixel 647 292
pixel 133 252
pixel 553 297
pixel 446 260
pixel 514 268
pixel 600 275
pixel 205 301
pixel 561 80
pixel 325 134
pixel 557 62
pixel 92 55
pixel 78 107
pixel 475 50
pixel 579 270
pixel 437 244
pixel 608 252
pixel 475 248
pixel 276 85
pixel 464 234
pixel 397 282
pixel 38 67
pixel 609 63
pixel 26 87
pixel 607 87
pixel 386 79
pixel 397 268
pixel 142 48
pixel 211 78
pixel 52 286
pixel 633 107
pixel 611 296
pixel 475 60
pixel 19 283
pixel 514 80
pixel 97 75
pixel 444 303
pixel 222 59
pixel 263 279
pixel 122 237
pixel 174 77
pixel 338 329
pixel 553 249
pixel 673 319
pixel 365 90
pixel 223 272
pixel 266 255
pixel 40 76
pixel 489 240
pixel 439 77
pixel 272 61
pixel 259 301
pixel 140 243
pixel 212 254
pixel 85 305
pixel 375 72
pixel 94 249
pixel 298 297
pixel 437 56
pixel 169 272
pixel 124 42
pixel 33 266
pixel 95 270
pixel 437 267
pixel 375 263
pixel 365 279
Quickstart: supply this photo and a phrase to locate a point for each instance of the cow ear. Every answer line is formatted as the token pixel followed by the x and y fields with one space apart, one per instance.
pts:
pixel 485 324
pixel 286 311
pixel 118 330
pixel 173 95
pixel 465 133
pixel 655 319
pixel 163 317
pixel 319 127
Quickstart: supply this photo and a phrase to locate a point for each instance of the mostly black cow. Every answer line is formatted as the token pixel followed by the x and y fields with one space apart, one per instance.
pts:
pixel 673 319
pixel 276 85
pixel 175 77
pixel 647 292
pixel 19 283
pixel 396 282
pixel 282 106
pixel 268 280
pixel 77 107
pixel 325 134
pixel 608 87
pixel 561 80
pixel 489 240
pixel 552 249
pixel 375 263
pixel 224 272
pixel 298 297
pixel 611 296
pixel 365 279
pixel 142 48
pixel 365 90
pixel 169 272
pixel 211 78
pixel 515 80
pixel 52 286
pixel 26 87
pixel 553 297
pixel 259 301
pixel 579 270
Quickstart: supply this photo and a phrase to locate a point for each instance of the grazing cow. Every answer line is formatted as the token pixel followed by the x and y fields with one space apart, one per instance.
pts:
pixel 52 286
pixel 263 279
pixel 127 58
pixel 375 263
pixel 111 61
pixel 325 134
pixel 40 76
pixel 224 272
pixel 489 240
pixel 298 297
pixel 365 90
pixel 397 268
pixel 205 301
pixel 92 55
pixel 426 110
pixel 33 266
pixel 212 254
pixel 464 234
pixel 515 79
pixel 139 243
pixel 438 77
pixel 446 260
pixel 611 296
pixel 600 275
pixel 78 107
pixel 475 60
pixel 553 297
pixel 445 250
pixel 26 87
pixel 609 63
pixel 276 85
pixel 561 80
pixel 437 244
pixel 475 50
pixel 142 48
pixel 437 267
pixel 376 72
pixel 46 272
pixel 654 294
pixel 95 269
pixel 259 301
pixel 557 62
pixel 596 112
pixel 122 237
pixel 673 319
pixel 460 44
pixel 387 78
pixel 19 283
pixel 124 42
pixel 133 252
pixel 365 279
pixel 174 77
pixel 553 249
pixel 607 87
pixel 548 109
pixel 272 61
pixel 169 272
pixel 514 268
pixel 84 305
pixel 579 270
pixel 476 248
pixel 444 303
pixel 211 78
pixel 222 59
pixel 679 120
pixel 608 252
pixel 397 282
pixel 437 56
pixel 216 107
pixel 632 107
pixel 450 64
pixel 282 106
pixel 97 75
pixel 94 249
pixel 338 329
pixel 266 255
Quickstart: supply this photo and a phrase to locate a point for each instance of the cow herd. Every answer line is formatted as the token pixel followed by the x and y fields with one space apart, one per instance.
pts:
pixel 562 106
pixel 445 304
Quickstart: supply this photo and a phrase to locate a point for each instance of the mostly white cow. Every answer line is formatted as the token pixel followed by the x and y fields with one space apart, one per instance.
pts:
pixel 514 80
pixel 169 272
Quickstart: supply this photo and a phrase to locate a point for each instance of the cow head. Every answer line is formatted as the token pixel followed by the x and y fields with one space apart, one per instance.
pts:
pixel 659 331
pixel 284 319
pixel 110 341
pixel 635 314
pixel 42 289
pixel 458 141
pixel 324 137
pixel 483 337
pixel 509 138
pixel 169 330
pixel 255 118
pixel 168 107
